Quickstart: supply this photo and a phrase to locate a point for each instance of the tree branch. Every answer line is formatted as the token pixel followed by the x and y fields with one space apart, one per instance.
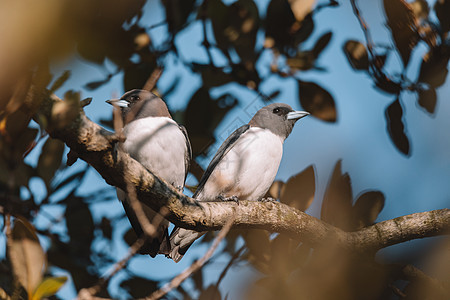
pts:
pixel 95 145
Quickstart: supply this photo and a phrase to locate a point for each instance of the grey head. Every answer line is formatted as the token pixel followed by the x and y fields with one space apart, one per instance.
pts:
pixel 137 104
pixel 279 118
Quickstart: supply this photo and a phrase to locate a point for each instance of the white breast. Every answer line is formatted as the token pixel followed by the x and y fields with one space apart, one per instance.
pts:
pixel 248 169
pixel 159 145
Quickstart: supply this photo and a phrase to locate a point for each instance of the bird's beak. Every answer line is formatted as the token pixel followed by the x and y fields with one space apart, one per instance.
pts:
pixel 118 102
pixel 297 115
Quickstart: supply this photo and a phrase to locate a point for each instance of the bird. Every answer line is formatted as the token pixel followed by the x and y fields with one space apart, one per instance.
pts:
pixel 161 145
pixel 244 166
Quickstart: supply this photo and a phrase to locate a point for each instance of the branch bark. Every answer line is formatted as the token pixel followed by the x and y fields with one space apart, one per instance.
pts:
pixel 96 146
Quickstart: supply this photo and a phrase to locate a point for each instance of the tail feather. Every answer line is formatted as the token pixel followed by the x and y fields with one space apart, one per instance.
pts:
pixel 180 241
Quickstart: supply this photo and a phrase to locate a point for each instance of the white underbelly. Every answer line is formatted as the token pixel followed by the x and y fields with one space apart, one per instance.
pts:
pixel 159 145
pixel 248 169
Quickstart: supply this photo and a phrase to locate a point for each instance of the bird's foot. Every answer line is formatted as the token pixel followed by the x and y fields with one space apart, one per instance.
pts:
pixel 232 198
pixel 180 188
pixel 268 199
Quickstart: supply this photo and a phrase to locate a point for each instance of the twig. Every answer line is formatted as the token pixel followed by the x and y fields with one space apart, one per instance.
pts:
pixel 153 79
pixel 90 141
pixel 88 293
pixel 411 273
pixel 9 239
pixel 364 27
pixel 157 25
pixel 205 41
pixel 175 282
pixel 230 263
pixel 375 69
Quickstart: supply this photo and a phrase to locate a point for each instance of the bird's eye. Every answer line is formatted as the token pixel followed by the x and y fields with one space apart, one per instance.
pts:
pixel 134 98
pixel 276 110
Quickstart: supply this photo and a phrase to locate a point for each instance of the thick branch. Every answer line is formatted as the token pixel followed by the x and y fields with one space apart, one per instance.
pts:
pixel 96 146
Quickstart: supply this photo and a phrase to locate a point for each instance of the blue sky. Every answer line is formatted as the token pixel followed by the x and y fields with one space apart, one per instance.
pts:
pixel 359 137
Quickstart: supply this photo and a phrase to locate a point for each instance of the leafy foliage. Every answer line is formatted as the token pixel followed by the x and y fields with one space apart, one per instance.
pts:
pixel 238 39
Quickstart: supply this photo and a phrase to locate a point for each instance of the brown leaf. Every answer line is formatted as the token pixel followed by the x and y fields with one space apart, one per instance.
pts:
pixel 197 277
pixel 210 293
pixel 282 27
pixel 26 254
pixel 106 227
pixel 50 159
pixel 258 244
pixel 25 142
pixel 20 93
pixel 337 201
pixel 427 100
pixel 396 127
pixel 367 208
pixel 303 60
pixel 242 29
pixel 403 24
pixel 317 101
pixel 177 13
pixel 301 8
pixel 139 287
pixel 80 226
pixel 433 69
pixel 64 112
pixel 276 190
pixel 285 257
pixel 420 9
pixel 442 9
pixel 14 125
pixel 130 237
pixel 299 190
pixel 322 43
pixel 136 75
pixel 96 84
pixel 60 81
pixel 202 116
pixel 357 56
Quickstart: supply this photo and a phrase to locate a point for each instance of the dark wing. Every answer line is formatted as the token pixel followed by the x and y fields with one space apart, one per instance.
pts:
pixel 224 148
pixel 188 155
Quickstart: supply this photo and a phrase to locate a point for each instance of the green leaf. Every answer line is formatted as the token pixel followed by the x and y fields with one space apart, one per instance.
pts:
pixel 48 287
pixel 26 255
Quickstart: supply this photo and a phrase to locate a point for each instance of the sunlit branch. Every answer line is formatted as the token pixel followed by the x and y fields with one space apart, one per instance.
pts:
pixel 96 146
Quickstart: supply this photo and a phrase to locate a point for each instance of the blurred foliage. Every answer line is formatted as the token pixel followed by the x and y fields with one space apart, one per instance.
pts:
pixel 36 35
